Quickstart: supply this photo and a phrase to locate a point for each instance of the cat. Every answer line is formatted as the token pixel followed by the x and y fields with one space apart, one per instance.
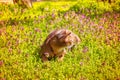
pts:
pixel 56 42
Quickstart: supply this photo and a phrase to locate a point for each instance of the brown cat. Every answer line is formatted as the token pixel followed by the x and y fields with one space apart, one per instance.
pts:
pixel 56 42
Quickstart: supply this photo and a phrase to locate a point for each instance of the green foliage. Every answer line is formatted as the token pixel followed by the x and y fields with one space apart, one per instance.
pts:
pixel 116 6
pixel 24 30
pixel 59 0
pixel 91 7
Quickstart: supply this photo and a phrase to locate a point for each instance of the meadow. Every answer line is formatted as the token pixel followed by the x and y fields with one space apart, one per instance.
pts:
pixel 22 32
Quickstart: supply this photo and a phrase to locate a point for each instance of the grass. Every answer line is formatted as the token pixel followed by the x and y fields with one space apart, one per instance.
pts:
pixel 22 33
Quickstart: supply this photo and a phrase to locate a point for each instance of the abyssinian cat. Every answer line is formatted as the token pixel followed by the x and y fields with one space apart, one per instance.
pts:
pixel 56 42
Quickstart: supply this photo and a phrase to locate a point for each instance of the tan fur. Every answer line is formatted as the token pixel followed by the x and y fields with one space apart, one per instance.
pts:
pixel 27 3
pixel 56 42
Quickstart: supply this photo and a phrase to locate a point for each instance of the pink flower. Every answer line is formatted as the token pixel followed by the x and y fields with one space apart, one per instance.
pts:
pixel 1 62
pixel 46 54
pixel 83 16
pixel 37 30
pixel 10 50
pixel 81 63
pixel 85 49
pixel 100 27
pixel 22 28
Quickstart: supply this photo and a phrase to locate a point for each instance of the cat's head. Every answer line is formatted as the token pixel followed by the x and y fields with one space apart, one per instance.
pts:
pixel 68 38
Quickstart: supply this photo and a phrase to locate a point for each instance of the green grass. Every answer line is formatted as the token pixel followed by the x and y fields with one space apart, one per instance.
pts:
pixel 22 33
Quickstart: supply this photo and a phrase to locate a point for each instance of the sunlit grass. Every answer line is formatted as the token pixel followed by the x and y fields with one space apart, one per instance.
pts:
pixel 95 58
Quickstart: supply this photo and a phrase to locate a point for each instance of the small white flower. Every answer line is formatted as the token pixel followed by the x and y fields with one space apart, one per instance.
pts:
pixel 46 54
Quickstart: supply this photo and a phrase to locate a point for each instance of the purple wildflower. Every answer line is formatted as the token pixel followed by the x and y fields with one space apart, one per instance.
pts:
pixel 100 27
pixel 1 62
pixel 85 49
pixel 22 28
pixel 46 54
pixel 81 22
pixel 81 63
pixel 83 16
pixel 53 15
pixel 10 50
pixel 37 30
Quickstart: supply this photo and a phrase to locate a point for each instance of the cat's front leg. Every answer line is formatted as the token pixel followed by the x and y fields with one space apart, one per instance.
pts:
pixel 44 58
pixel 61 56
